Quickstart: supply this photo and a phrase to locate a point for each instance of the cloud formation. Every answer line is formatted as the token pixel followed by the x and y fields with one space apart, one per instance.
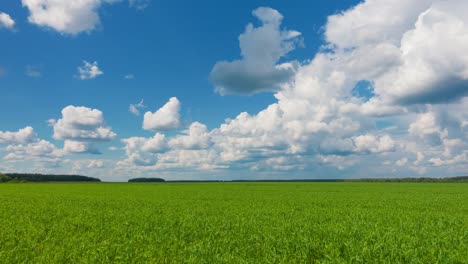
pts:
pixel 164 119
pixel 24 145
pixel 412 119
pixel 135 108
pixel 6 21
pixel 261 49
pixel 81 128
pixel 89 71
pixel 71 17
pixel 22 136
pixel 67 17
pixel 319 123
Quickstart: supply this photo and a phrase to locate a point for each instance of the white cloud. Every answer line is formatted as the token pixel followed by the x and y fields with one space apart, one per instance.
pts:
pixel 22 136
pixel 39 148
pixel 89 71
pixel 135 108
pixel 24 145
pixel 261 48
pixel 73 16
pixel 318 121
pixel 427 128
pixel 426 76
pixel 372 144
pixel 367 23
pixel 67 17
pixel 6 21
pixel 81 128
pixel 166 118
pixel 196 137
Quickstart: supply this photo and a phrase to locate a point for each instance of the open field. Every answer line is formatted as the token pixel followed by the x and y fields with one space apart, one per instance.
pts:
pixel 234 223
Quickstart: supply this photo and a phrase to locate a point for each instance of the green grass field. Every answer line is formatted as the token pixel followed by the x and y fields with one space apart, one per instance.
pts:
pixel 234 223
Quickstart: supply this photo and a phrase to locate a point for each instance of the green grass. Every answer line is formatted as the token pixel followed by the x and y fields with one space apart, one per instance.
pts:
pixel 234 223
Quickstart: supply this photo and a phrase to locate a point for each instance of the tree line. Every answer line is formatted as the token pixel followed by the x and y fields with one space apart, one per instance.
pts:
pixel 34 177
pixel 146 180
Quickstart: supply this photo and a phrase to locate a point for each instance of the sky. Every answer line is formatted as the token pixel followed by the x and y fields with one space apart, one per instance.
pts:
pixel 223 90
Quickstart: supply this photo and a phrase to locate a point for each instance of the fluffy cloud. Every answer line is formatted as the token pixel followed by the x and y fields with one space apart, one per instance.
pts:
pixel 89 71
pixel 24 145
pixel 367 23
pixel 6 21
pixel 413 120
pixel 372 144
pixel 68 17
pixel 72 16
pixel 426 127
pixel 261 48
pixel 81 128
pixel 406 70
pixel 426 76
pixel 22 136
pixel 141 151
pixel 37 149
pixel 166 118
pixel 318 120
pixel 196 137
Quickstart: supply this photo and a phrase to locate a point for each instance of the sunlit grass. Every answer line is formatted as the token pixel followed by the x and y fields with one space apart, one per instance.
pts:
pixel 234 223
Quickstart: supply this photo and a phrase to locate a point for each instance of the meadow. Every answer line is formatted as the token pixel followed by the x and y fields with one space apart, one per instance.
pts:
pixel 346 222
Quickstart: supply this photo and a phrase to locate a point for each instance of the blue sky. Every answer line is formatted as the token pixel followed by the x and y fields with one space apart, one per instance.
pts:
pixel 331 89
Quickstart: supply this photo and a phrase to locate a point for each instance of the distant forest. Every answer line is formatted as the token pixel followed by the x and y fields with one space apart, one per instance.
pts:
pixel 26 177
pixel 146 180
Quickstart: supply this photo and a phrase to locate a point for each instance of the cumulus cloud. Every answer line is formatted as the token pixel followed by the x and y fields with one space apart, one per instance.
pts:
pixel 372 144
pixel 24 145
pixel 426 127
pixel 6 21
pixel 415 67
pixel 426 76
pixel 81 128
pixel 164 119
pixel 141 151
pixel 67 17
pixel 37 149
pixel 410 72
pixel 89 71
pixel 261 49
pixel 22 136
pixel 196 136
pixel 319 119
pixel 71 17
